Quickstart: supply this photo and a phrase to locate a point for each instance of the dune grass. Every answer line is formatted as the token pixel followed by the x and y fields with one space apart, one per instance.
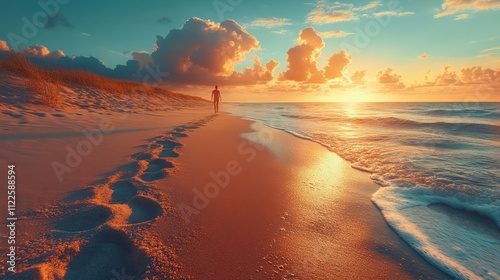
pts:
pixel 47 82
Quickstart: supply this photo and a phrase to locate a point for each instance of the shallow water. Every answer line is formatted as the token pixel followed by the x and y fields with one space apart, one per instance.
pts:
pixel 423 153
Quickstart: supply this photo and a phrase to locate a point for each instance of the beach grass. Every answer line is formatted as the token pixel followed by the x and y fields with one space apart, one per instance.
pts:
pixel 47 82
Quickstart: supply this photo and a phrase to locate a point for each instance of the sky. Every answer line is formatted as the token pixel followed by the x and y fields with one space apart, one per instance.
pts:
pixel 273 51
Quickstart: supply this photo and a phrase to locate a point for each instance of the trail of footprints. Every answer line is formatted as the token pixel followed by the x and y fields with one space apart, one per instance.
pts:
pixel 109 211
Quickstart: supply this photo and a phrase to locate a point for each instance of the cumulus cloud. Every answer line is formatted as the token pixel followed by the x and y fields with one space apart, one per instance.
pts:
pixel 358 77
pixel 57 20
pixel 390 79
pixel 200 52
pixel 204 52
pixel 3 46
pixel 469 76
pixel 40 51
pixel 478 75
pixel 42 56
pixel 301 60
pixel 446 78
pixel 336 33
pixel 450 7
pixel 423 56
pixel 337 65
pixel 270 22
pixel 143 58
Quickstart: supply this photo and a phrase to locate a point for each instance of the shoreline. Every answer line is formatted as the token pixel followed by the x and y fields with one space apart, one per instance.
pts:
pixel 269 226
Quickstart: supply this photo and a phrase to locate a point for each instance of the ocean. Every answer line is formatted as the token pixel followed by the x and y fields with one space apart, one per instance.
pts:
pixel 438 165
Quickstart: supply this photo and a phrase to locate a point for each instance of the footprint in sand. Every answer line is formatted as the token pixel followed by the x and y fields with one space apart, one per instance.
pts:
pixel 80 195
pixel 142 156
pixel 158 164
pixel 168 143
pixel 168 152
pixel 153 176
pixel 123 192
pixel 108 254
pixel 84 218
pixel 177 134
pixel 143 209
pixel 156 170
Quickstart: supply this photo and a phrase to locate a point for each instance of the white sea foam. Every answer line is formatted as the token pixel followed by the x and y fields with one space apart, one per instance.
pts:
pixel 447 243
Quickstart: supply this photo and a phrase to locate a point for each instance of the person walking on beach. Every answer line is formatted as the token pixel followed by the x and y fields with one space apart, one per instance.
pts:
pixel 216 97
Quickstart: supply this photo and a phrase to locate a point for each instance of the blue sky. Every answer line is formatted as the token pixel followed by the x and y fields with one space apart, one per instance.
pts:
pixel 467 35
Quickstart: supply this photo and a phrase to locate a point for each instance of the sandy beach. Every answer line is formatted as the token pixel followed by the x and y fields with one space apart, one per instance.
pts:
pixel 191 194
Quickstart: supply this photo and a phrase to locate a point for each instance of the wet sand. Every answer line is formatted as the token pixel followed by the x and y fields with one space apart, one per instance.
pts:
pixel 285 208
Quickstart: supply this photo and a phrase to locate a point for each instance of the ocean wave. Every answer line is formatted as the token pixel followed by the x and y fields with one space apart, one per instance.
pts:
pixel 463 113
pixel 448 239
pixel 463 128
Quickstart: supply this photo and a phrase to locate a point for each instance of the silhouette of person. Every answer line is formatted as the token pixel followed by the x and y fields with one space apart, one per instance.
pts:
pixel 216 97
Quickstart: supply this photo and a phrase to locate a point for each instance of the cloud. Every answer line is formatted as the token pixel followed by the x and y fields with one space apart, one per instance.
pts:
pixel 337 33
pixel 301 60
pixel 164 20
pixel 393 14
pixel 358 77
pixel 326 11
pixel 204 52
pixel 143 58
pixel 447 77
pixel 200 52
pixel 423 56
pixel 3 46
pixel 40 51
pixel 370 6
pixel 270 22
pixel 57 20
pixel 337 64
pixel 42 56
pixel 462 16
pixel 85 34
pixel 280 32
pixel 491 49
pixel 450 7
pixel 478 75
pixel 390 79
pixel 465 77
